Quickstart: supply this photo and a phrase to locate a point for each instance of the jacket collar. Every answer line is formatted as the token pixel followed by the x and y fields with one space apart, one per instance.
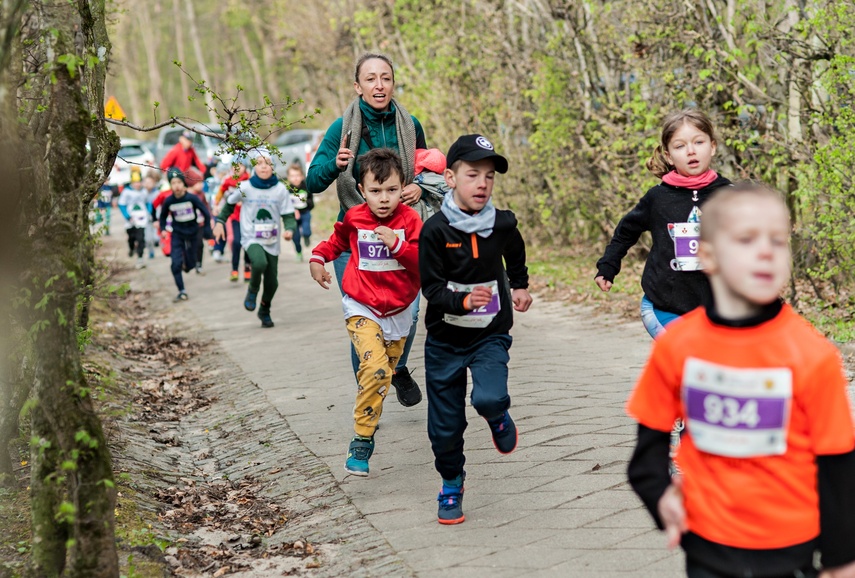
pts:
pixel 371 115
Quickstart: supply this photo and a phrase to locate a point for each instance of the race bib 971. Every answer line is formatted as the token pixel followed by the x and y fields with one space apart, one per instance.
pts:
pixel 737 412
pixel 373 253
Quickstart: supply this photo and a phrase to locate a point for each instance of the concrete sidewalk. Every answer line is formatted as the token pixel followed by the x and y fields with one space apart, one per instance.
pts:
pixel 558 506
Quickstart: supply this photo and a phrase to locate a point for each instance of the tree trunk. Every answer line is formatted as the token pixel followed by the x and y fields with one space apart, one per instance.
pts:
pixel 179 49
pixel 72 490
pixel 150 37
pixel 253 63
pixel 200 60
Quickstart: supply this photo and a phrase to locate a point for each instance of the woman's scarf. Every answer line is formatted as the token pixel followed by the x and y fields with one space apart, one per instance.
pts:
pixel 345 184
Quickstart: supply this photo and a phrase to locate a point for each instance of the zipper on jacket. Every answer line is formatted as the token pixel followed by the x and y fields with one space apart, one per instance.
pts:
pixel 695 196
pixel 474 246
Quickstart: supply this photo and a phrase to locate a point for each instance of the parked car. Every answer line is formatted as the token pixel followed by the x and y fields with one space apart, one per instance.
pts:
pixel 131 152
pixel 298 147
pixel 206 147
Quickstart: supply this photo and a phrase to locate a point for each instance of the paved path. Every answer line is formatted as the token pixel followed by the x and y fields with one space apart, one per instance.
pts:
pixel 558 506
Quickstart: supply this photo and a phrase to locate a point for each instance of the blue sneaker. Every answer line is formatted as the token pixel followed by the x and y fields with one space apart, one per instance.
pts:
pixel 249 300
pixel 450 500
pixel 358 453
pixel 504 432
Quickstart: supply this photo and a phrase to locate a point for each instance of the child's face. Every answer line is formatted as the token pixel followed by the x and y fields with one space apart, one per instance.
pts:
pixel 295 177
pixel 263 168
pixel 382 198
pixel 178 187
pixel 748 256
pixel 148 183
pixel 375 83
pixel 690 150
pixel 472 183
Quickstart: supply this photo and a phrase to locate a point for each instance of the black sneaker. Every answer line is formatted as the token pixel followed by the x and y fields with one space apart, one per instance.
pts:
pixel 266 321
pixel 182 296
pixel 504 432
pixel 406 388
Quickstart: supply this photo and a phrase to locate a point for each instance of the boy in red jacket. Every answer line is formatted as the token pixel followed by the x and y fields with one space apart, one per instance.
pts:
pixel 380 283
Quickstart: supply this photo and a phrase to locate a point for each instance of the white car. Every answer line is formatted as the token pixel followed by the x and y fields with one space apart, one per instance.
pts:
pixel 131 152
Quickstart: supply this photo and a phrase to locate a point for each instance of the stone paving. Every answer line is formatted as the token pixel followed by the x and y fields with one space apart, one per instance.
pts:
pixel 558 506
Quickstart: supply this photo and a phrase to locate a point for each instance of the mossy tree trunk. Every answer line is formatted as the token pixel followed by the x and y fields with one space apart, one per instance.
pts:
pixel 72 490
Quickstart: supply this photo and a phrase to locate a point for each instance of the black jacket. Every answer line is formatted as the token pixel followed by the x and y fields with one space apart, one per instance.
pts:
pixel 672 291
pixel 448 254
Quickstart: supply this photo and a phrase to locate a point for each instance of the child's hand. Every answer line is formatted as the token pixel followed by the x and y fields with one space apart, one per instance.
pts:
pixel 603 284
pixel 847 571
pixel 386 235
pixel 411 194
pixel 319 274
pixel 521 299
pixel 287 234
pixel 673 512
pixel 479 297
pixel 219 232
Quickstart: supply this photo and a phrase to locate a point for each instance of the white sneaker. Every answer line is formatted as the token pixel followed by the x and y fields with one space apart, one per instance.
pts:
pixel 218 257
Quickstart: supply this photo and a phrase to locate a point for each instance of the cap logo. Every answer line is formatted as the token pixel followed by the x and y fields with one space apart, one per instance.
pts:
pixel 484 143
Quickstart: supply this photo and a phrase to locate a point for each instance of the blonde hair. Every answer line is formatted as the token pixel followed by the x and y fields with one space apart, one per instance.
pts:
pixel 714 209
pixel 657 163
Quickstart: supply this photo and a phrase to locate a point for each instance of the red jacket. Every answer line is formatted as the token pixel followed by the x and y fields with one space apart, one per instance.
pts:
pixel 181 159
pixel 374 276
pixel 225 189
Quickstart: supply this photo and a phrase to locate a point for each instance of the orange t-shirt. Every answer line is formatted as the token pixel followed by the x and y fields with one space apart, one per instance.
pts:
pixel 760 403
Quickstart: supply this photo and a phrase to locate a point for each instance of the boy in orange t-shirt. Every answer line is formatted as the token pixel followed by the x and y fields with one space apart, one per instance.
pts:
pixel 768 456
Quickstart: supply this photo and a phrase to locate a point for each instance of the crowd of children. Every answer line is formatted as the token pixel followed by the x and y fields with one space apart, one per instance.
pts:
pixel 757 482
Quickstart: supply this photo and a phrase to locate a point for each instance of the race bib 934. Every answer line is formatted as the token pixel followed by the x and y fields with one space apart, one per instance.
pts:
pixel 737 412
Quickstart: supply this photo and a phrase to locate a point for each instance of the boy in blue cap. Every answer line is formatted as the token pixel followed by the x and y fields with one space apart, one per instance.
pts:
pixel 470 295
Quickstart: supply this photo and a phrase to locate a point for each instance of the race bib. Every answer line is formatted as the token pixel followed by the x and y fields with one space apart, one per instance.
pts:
pixel 478 318
pixel 373 253
pixel 687 238
pixel 183 212
pixel 266 233
pixel 139 216
pixel 736 412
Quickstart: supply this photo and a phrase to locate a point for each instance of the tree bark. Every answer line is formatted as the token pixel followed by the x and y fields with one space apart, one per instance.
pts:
pixel 200 60
pixel 179 49
pixel 72 491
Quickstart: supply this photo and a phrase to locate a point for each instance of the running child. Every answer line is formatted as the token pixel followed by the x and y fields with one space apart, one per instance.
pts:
pixel 470 295
pixel 379 284
pixel 183 208
pixel 672 280
pixel 132 204
pixel 265 200
pixel 304 203
pixel 767 454
pixel 229 185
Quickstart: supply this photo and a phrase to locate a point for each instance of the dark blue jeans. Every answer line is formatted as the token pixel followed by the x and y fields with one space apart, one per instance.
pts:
pixel 445 383
pixel 183 255
pixel 340 265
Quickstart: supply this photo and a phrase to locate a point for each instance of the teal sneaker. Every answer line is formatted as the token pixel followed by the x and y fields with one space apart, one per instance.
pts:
pixel 450 500
pixel 358 453
pixel 249 300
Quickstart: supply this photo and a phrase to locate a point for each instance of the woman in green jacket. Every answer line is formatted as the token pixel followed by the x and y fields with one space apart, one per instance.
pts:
pixel 374 119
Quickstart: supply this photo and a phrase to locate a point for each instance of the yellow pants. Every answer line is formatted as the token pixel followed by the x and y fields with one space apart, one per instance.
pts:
pixel 377 361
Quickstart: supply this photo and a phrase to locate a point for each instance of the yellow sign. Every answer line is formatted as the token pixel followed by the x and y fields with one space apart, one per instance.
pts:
pixel 113 110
